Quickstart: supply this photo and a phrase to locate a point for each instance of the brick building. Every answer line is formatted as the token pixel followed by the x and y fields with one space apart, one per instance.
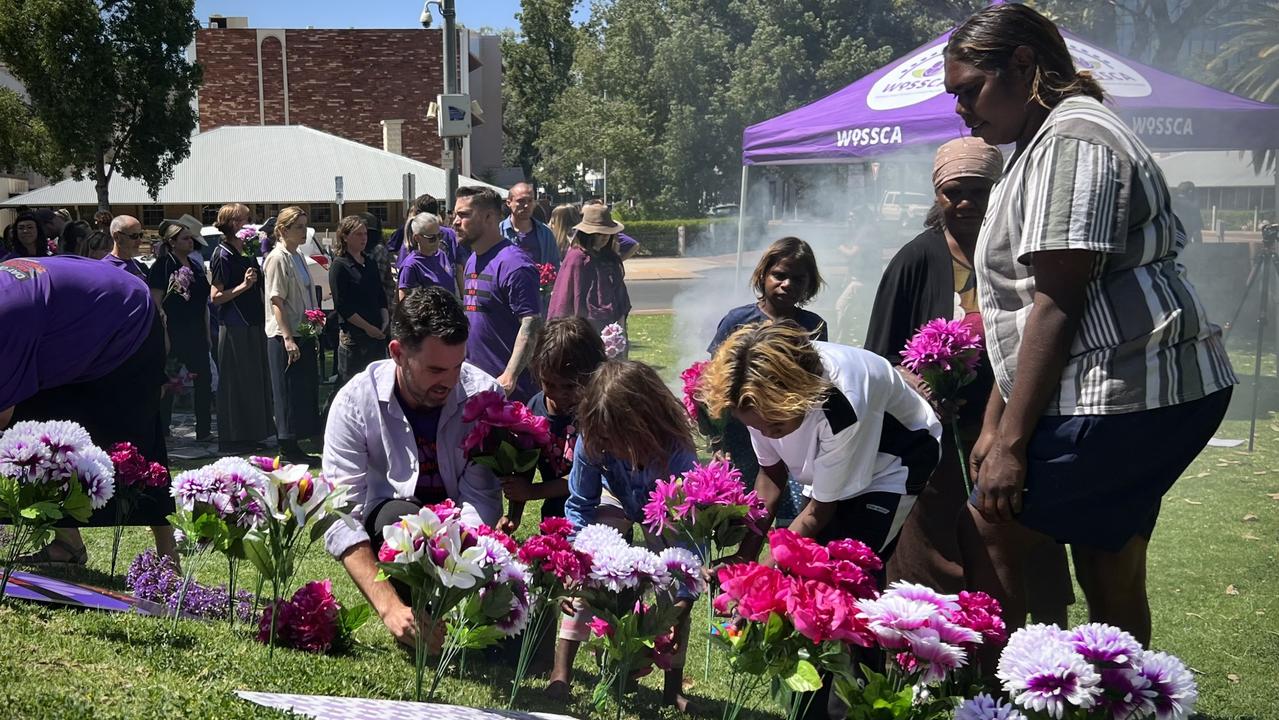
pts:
pixel 369 86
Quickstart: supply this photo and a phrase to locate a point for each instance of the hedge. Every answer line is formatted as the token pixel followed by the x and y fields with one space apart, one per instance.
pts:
pixel 702 236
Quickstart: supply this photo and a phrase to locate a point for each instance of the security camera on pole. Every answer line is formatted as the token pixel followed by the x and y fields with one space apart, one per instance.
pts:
pixel 452 108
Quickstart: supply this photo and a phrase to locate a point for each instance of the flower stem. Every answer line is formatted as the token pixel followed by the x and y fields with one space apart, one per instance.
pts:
pixel 529 644
pixel 230 589
pixel 117 533
pixel 14 549
pixel 963 457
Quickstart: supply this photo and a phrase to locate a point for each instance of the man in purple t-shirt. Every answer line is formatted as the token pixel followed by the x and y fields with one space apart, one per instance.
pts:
pixel 500 293
pixel 126 234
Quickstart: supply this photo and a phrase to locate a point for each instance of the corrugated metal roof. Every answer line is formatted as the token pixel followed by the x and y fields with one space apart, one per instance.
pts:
pixel 263 164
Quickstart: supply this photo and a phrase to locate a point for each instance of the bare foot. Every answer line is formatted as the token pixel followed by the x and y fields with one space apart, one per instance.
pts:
pixel 679 702
pixel 557 690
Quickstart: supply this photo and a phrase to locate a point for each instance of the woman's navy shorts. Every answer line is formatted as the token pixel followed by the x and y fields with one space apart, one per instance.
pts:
pixel 1097 480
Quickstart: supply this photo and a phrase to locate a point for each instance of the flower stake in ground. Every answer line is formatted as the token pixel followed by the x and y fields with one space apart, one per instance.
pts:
pixel 1094 670
pixel 134 475
pixel 946 353
pixel 708 509
pixel 445 564
pixel 313 620
pixel 554 569
pixel 614 338
pixel 635 597
pixel 48 471
pixel 312 325
pixel 506 438
pixel 546 275
pixel 217 506
pixel 298 509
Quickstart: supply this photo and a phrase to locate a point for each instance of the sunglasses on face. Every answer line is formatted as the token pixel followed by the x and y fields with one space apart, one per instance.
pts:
pixel 133 236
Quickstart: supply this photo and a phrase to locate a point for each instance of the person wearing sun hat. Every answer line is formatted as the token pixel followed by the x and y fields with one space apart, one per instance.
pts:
pixel 591 282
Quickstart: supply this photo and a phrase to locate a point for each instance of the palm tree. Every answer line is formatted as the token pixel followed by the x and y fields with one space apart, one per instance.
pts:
pixel 1248 64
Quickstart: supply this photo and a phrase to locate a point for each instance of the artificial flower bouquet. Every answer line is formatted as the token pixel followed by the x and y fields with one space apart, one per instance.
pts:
pixel 155 578
pixel 298 508
pixel 945 355
pixel 48 471
pixel 546 276
pixel 134 475
pixel 249 236
pixel 312 325
pixel 180 283
pixel 217 506
pixel 506 436
pixel 1094 672
pixel 446 564
pixel 313 620
pixel 790 622
pixel 707 508
pixel 614 338
pixel 554 569
pixel 635 598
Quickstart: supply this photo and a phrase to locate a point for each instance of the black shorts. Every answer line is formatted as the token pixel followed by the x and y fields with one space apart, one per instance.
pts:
pixel 1098 480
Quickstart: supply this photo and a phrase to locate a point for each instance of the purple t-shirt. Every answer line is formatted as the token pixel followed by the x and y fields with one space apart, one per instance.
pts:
pixel 66 319
pixel 625 243
pixel 418 270
pixel 500 288
pixel 132 267
pixel 426 424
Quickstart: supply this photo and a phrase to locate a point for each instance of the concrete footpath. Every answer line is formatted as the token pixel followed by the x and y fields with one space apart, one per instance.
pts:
pixel 684 268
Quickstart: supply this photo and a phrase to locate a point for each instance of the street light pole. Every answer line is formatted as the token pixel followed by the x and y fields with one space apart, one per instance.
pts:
pixel 453 146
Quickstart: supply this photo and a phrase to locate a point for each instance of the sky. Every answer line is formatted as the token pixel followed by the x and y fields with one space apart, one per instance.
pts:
pixel 474 14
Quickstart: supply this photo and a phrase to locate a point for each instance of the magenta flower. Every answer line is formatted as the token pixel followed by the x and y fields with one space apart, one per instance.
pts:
pixel 1105 644
pixel 945 353
pixel 821 612
pixel 1172 684
pixel 498 422
pixel 981 613
pixel 600 627
pixel 307 622
pixel 556 526
pixel 691 376
pixel 799 556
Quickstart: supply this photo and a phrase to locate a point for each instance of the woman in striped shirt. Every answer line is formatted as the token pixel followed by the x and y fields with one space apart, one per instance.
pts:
pixel 1109 379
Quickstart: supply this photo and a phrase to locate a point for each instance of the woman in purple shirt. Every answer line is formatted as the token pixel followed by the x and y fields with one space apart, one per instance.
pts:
pixel 429 262
pixel 85 344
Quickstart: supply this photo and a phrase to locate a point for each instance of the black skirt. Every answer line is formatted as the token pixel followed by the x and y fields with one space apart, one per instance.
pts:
pixel 122 406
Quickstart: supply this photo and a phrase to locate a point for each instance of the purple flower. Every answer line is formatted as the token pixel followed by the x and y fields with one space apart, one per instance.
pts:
pixel 1105 644
pixel 1125 693
pixel 684 569
pixel 984 707
pixel 1041 671
pixel 226 486
pixel 1172 684
pixel 155 578
pixel 614 340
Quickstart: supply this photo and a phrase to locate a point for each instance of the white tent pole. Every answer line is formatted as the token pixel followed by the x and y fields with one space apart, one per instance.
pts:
pixel 741 225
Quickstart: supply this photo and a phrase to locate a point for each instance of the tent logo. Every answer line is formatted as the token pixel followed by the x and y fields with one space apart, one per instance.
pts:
pixel 1116 76
pixel 912 81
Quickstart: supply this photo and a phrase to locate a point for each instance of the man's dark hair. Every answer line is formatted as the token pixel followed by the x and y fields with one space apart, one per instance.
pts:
pixel 426 203
pixel 431 312
pixel 482 198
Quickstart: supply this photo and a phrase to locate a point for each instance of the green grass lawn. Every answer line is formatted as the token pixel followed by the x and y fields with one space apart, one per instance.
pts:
pixel 1214 592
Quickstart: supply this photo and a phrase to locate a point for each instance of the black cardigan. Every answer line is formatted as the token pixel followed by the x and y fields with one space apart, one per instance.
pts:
pixel 918 286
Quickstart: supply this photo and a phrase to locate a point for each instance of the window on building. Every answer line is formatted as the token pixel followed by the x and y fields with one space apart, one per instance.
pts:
pixel 321 214
pixel 152 215
pixel 209 214
pixel 379 211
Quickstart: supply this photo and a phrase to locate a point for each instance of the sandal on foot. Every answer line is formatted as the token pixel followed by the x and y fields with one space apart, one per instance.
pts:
pixel 69 555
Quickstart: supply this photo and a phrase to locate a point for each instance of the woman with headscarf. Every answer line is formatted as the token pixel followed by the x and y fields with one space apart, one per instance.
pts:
pixel 181 287
pixel 592 282
pixel 932 277
pixel 244 401
pixel 1109 377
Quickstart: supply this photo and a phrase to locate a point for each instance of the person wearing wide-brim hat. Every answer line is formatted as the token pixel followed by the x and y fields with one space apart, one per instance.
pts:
pixel 184 298
pixel 591 282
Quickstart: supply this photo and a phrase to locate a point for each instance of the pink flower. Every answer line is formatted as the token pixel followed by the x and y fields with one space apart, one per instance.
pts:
pixel 265 464
pixel 315 615
pixel 821 612
pixel 600 627
pixel 546 275
pixel 556 526
pixel 945 353
pixel 856 552
pixel 799 555
pixel 386 554
pixel 980 613
pixel 852 579
pixel 691 376
pixel 478 405
pixel 502 538
pixel 753 591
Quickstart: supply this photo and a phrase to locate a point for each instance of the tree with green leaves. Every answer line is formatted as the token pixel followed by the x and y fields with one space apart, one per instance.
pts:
pixel 107 80
pixel 536 71
pixel 1248 64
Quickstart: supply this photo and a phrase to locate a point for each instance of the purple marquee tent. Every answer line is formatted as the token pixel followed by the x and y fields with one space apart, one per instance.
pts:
pixel 904 104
